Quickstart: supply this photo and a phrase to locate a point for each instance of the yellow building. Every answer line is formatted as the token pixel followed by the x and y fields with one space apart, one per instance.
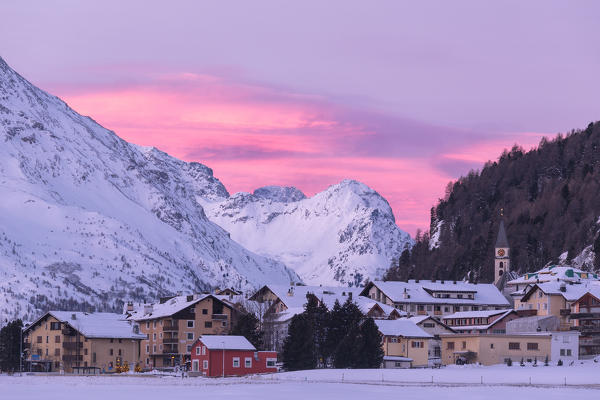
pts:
pixel 490 349
pixel 404 344
pixel 81 342
pixel 173 325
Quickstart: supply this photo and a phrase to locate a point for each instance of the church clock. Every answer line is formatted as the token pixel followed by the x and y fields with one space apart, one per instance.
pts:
pixel 501 253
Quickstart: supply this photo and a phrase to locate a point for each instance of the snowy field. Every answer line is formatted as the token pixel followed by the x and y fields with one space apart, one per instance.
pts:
pixel 499 382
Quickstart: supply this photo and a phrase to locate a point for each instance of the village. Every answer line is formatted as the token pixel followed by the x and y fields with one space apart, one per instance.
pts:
pixel 548 317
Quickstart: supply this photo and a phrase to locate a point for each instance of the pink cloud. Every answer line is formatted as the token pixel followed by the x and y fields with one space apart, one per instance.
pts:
pixel 253 135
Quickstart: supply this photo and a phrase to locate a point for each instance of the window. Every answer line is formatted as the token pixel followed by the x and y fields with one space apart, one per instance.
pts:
pixel 190 336
pixel 532 346
pixel 198 350
pixel 271 362
pixel 514 346
pixel 154 336
pixel 57 339
pixel 208 324
pixel 147 324
pixel 204 311
pixel 154 324
pixel 540 294
pixel 39 339
pixel 205 364
pixel 121 340
pixel 93 357
pixel 55 326
pixel 189 348
pixel 46 351
pixel 393 339
pixel 160 347
pixel 120 352
pixel 464 344
pixel 416 345
pixel 47 339
pixel 159 335
pixel 429 308
pixel 568 352
pixel 236 362
pixel 437 308
pixel 154 348
pixel 190 324
pixel 193 310
pixel 195 365
pixel 248 362
pixel 428 325
pixel 459 296
pixel 224 323
pixel 147 349
pixel 491 345
pixel 450 346
pixel 85 352
pixel 110 352
pixel 203 350
pixel 565 352
pixel 57 352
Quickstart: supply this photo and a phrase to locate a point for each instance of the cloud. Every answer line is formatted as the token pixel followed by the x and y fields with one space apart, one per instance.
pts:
pixel 254 135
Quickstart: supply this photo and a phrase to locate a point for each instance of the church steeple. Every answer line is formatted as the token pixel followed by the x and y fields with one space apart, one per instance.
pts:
pixel 501 254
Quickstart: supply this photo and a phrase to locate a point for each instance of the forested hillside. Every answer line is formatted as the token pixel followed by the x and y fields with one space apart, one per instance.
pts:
pixel 550 199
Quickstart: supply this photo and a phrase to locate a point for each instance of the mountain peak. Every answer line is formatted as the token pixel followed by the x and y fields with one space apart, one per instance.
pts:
pixel 279 194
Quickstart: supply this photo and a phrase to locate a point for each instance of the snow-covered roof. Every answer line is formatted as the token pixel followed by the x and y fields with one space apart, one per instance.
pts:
pixel 172 306
pixel 570 291
pixel 400 327
pixel 476 314
pixel 98 325
pixel 556 273
pixel 226 342
pixel 423 292
pixel 295 296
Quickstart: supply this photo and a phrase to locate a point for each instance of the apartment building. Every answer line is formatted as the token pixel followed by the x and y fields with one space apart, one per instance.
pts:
pixel 173 325
pixel 404 344
pixel 81 342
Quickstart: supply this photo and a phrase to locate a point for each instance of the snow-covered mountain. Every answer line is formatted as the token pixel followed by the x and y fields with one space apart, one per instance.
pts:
pixel 341 236
pixel 86 217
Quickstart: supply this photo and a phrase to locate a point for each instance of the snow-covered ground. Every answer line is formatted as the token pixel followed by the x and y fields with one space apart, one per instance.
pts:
pixel 500 382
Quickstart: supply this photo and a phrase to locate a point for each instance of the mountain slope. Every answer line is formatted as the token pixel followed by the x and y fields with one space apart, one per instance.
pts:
pixel 341 236
pixel 549 197
pixel 86 217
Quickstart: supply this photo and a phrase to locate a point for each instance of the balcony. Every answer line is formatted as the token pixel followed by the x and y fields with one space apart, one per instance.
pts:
pixel 72 346
pixel 565 311
pixel 170 351
pixel 421 312
pixel 170 327
pixel 220 317
pixel 72 358
pixel 170 340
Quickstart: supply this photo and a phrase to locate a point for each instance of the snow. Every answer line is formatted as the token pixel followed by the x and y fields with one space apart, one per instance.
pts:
pixel 484 293
pixel 166 309
pixel 499 383
pixel 562 273
pixel 400 327
pixel 226 342
pixel 340 236
pixel 98 325
pixel 88 217
pixel 476 314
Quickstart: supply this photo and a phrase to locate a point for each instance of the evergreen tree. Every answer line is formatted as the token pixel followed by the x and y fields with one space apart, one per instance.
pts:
pixel 350 316
pixel 319 315
pixel 10 347
pixel 369 353
pixel 299 345
pixel 248 326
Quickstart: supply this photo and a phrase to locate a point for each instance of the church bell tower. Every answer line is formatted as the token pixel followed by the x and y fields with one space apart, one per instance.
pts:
pixel 501 255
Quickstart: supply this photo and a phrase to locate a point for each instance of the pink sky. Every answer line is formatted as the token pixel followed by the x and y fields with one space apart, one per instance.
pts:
pixel 401 95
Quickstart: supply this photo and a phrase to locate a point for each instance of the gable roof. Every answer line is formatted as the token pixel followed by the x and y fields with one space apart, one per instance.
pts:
pixel 571 292
pixel 418 319
pixel 478 314
pixel 295 296
pixel 143 312
pixel 475 314
pixel 400 327
pixel 96 325
pixel 227 342
pixel 421 292
pixel 556 273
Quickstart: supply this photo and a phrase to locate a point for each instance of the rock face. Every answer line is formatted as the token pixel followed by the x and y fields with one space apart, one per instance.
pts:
pixel 341 236
pixel 89 219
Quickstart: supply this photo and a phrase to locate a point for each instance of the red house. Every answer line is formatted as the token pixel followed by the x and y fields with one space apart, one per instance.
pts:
pixel 217 355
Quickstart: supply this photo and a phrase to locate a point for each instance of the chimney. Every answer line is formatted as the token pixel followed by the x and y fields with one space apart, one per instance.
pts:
pixel 290 291
pixel 406 296
pixel 350 295
pixel 563 287
pixel 129 306
pixel 190 297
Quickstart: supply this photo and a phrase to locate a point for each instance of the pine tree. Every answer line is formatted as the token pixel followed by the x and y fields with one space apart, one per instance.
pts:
pixel 369 353
pixel 248 326
pixel 10 347
pixel 299 345
pixel 350 316
pixel 319 315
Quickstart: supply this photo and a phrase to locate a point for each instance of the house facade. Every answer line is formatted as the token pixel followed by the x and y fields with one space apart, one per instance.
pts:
pixel 173 325
pixel 81 342
pixel 436 298
pixel 585 318
pixel 435 328
pixel 404 344
pixel 218 355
